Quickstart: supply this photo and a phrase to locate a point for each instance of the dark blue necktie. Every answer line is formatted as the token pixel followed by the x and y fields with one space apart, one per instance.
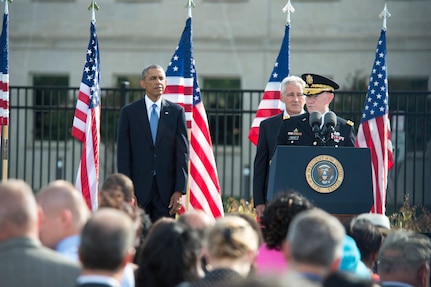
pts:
pixel 154 122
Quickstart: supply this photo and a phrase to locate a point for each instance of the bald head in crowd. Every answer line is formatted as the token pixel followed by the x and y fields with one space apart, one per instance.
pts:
pixel 64 212
pixel 19 214
pixel 23 259
pixel 196 219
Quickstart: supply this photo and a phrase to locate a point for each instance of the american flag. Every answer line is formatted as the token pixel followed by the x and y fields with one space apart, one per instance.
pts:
pixel 4 77
pixel 182 83
pixel 86 123
pixel 270 104
pixel 374 130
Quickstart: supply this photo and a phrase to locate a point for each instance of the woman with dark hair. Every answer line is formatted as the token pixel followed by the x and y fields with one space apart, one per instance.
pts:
pixel 275 222
pixel 169 256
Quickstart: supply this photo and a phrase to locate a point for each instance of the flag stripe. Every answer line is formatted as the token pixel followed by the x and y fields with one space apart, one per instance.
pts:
pixel 270 104
pixel 374 130
pixel 182 88
pixel 86 123
pixel 4 70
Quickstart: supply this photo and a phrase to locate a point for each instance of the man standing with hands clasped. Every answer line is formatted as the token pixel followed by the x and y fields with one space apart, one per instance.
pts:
pixel 153 148
pixel 292 95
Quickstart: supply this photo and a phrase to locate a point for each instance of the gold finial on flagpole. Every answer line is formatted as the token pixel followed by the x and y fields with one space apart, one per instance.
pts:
pixel 93 5
pixel 190 4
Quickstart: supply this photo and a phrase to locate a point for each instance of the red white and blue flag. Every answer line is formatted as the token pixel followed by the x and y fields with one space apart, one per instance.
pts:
pixel 4 66
pixel 270 105
pixel 374 131
pixel 86 123
pixel 183 88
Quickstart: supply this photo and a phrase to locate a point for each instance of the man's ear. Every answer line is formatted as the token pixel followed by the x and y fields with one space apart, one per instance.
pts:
pixel 336 264
pixel 423 275
pixel 330 97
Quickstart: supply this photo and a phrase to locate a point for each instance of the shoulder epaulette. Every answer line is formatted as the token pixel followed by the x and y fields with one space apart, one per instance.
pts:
pixel 350 123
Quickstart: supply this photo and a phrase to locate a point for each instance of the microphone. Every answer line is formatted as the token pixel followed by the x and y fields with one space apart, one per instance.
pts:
pixel 315 120
pixel 330 120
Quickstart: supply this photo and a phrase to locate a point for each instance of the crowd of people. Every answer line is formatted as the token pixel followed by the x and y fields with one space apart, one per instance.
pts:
pixel 136 238
pixel 51 239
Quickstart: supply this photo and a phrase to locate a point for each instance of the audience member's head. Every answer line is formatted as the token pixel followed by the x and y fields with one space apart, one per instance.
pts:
pixel 278 215
pixel 345 279
pixel 196 219
pixel 351 260
pixel 24 261
pixel 107 243
pixel 254 224
pixel 368 239
pixel 314 242
pixel 405 257
pixel 169 255
pixel 381 221
pixel 116 189
pixel 64 212
pixel 232 243
pixel 19 213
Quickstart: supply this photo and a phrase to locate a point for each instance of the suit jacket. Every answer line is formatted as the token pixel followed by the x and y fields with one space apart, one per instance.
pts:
pixel 266 144
pixel 166 161
pixel 297 131
pixel 25 262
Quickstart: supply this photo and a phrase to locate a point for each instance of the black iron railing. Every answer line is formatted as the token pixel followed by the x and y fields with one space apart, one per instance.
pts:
pixel 42 149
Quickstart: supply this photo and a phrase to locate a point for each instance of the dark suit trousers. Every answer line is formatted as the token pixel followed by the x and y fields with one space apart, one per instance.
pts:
pixel 156 209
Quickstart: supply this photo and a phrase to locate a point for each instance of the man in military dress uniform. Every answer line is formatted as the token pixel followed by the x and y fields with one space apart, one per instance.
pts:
pixel 296 130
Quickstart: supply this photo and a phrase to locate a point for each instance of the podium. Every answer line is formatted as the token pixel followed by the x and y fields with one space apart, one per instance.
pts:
pixel 336 179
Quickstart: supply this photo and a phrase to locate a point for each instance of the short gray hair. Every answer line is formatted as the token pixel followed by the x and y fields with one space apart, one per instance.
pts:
pixel 403 248
pixel 315 237
pixel 292 80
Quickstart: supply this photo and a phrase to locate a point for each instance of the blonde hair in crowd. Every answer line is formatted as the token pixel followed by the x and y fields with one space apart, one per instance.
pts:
pixel 231 237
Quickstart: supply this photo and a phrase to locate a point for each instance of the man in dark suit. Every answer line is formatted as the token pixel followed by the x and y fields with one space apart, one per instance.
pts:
pixel 319 92
pixel 404 260
pixel 106 248
pixel 292 95
pixel 154 156
pixel 23 259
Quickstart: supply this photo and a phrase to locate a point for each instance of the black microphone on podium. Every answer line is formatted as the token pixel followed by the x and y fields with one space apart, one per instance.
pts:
pixel 330 121
pixel 315 120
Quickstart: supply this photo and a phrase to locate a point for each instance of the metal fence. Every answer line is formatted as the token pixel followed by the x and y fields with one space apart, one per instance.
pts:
pixel 42 149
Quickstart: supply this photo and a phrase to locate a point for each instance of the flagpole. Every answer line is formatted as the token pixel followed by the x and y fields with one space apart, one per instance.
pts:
pixel 189 5
pixel 5 129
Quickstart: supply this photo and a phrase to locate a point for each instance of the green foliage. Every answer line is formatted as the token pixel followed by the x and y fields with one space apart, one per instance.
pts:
pixel 234 205
pixel 411 217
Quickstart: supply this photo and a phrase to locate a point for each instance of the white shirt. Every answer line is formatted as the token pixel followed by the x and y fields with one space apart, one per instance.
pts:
pixel 149 103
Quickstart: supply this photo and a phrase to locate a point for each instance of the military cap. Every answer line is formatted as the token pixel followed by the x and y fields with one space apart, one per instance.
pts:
pixel 316 84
